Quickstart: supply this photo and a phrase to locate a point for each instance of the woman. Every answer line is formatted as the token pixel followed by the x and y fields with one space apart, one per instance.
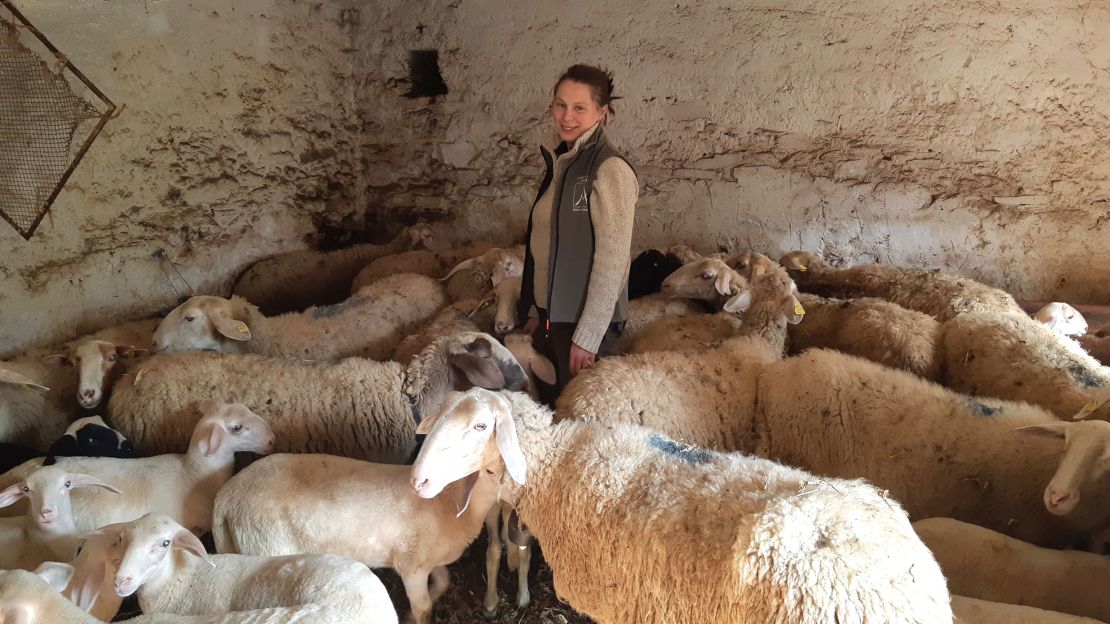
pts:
pixel 575 286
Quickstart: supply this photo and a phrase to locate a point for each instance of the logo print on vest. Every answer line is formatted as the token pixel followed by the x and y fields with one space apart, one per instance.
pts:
pixel 581 196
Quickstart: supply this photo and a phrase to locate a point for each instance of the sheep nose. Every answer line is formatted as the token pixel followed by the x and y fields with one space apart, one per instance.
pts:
pixel 46 513
pixel 122 585
pixel 1059 500
pixel 419 484
pixel 88 393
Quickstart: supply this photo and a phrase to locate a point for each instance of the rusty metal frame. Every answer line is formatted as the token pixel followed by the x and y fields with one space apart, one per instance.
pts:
pixel 88 142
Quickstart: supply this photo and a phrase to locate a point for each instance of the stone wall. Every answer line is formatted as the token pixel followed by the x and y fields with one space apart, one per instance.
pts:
pixel 935 133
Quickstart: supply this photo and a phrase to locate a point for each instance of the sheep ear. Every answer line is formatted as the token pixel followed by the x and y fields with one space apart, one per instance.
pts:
pixel 211 437
pixel 542 368
pixel 227 326
pixel 429 422
pixel 11 495
pixel 1050 430
pixel 480 370
pixel 57 575
pixel 740 302
pixel 207 406
pixel 426 425
pixel 188 542
pixel 796 313
pixel 84 480
pixel 722 284
pixel 508 444
pixel 87 589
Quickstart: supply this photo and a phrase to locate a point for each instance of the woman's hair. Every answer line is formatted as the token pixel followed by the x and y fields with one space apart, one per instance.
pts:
pixel 598 80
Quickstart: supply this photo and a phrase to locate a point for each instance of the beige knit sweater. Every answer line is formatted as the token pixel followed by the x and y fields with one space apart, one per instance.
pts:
pixel 612 211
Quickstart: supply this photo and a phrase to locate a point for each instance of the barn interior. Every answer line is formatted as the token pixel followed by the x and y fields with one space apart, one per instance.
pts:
pixel 199 138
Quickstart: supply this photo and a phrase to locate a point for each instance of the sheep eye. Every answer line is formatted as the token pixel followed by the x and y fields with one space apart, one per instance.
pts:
pixel 480 427
pixel 165 543
pixel 68 483
pixel 706 276
pixel 237 428
pixel 112 358
pixel 26 490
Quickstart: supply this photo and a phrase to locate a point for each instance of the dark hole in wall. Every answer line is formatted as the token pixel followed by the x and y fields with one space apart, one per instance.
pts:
pixel 424 74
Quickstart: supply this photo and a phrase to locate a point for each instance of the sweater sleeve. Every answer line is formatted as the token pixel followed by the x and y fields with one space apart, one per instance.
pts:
pixel 612 211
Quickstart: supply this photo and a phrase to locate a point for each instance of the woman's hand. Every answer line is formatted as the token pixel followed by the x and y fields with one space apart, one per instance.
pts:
pixel 580 359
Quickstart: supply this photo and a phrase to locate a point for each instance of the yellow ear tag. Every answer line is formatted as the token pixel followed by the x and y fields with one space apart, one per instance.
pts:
pixel 241 327
pixel 802 268
pixel 799 310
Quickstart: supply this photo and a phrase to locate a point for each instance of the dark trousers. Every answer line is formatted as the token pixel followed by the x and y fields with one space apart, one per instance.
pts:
pixel 553 340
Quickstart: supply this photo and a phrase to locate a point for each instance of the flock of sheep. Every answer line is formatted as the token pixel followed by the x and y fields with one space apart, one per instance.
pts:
pixel 755 455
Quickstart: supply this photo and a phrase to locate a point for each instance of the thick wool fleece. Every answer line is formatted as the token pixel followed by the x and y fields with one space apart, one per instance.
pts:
pixel 612 211
pixel 638 528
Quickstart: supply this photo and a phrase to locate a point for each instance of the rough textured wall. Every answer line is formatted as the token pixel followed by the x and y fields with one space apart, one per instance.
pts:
pixel 236 140
pixel 939 133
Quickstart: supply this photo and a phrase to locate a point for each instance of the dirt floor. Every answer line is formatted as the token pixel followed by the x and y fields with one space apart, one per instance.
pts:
pixel 462 602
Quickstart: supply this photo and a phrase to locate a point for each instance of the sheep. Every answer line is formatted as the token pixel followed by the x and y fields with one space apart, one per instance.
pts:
pixel 643 311
pixel 692 395
pixel 750 264
pixel 471 278
pixel 1062 318
pixel 33 598
pixel 938 452
pixel 27 418
pixel 49 529
pixel 355 407
pixel 291 504
pixel 678 534
pixel 648 270
pixel 677 333
pixel 178 577
pixel 980 563
pixel 90 437
pixel 940 295
pixel 973 611
pixel 470 315
pixel 291 282
pixel 181 486
pixel 371 323
pixel 1016 358
pixel 427 263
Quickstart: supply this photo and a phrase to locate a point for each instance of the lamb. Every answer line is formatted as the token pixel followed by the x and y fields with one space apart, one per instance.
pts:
pixel 938 452
pixel 181 486
pixel 291 282
pixel 1062 318
pixel 780 546
pixel 371 323
pixel 48 530
pixel 178 577
pixel 699 397
pixel 427 263
pixel 983 564
pixel 648 270
pixel 355 407
pixel 33 598
pixel 471 278
pixel 90 437
pixel 1016 358
pixel 940 295
pixel 291 504
pixel 973 611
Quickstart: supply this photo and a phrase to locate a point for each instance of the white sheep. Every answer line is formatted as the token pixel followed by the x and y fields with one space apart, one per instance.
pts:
pixel 34 598
pixel 355 407
pixel 291 504
pixel 471 278
pixel 974 611
pixel 1061 317
pixel 984 564
pixel 178 577
pixel 48 531
pixel 181 486
pixel 294 281
pixel 940 295
pixel 427 263
pixel 938 452
pixel 1016 358
pixel 371 323
pixel 638 528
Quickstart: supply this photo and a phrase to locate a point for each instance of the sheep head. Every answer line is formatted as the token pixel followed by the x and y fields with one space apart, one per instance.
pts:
pixel 1062 318
pixel 708 279
pixel 95 360
pixel 204 323
pixel 1086 461
pixel 146 544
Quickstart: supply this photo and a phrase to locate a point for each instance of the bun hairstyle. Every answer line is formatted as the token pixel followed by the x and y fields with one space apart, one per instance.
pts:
pixel 598 80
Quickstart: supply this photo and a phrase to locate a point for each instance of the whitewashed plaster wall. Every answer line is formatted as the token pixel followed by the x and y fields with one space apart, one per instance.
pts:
pixel 935 133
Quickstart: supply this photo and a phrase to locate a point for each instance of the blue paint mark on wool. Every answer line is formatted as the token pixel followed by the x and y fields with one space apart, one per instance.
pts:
pixel 688 454
pixel 983 410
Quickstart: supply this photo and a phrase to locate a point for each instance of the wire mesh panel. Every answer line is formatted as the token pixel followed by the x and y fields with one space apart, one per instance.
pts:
pixel 39 119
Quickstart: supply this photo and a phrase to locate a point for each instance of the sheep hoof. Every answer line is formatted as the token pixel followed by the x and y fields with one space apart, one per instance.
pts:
pixel 523 600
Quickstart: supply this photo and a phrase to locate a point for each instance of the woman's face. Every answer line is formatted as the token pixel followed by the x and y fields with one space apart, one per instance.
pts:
pixel 574 110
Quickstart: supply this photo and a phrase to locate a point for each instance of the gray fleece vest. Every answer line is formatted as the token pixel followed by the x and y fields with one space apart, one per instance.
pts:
pixel 571 255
